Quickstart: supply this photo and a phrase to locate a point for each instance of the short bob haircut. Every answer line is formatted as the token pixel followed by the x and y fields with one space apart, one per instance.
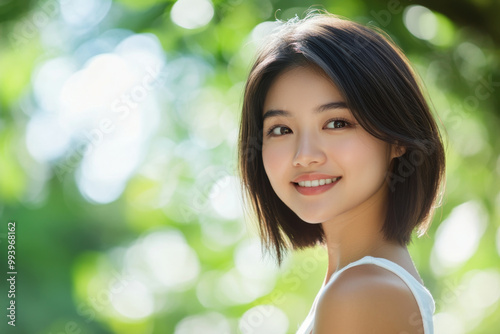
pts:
pixel 381 91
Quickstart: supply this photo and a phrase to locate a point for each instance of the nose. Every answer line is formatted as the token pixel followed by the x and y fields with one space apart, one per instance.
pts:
pixel 309 151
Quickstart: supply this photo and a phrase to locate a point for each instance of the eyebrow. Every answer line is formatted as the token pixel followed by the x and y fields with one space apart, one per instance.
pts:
pixel 320 109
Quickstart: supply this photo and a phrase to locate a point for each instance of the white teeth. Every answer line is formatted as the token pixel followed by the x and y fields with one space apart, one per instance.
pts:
pixel 316 183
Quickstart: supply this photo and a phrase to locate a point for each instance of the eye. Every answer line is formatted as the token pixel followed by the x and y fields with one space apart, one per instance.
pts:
pixel 338 124
pixel 278 131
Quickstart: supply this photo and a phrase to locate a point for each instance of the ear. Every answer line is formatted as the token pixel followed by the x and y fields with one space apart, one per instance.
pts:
pixel 397 151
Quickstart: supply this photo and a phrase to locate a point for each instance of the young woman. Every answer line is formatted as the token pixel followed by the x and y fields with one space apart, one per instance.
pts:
pixel 338 147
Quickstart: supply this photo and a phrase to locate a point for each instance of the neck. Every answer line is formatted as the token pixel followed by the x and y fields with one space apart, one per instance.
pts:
pixel 353 235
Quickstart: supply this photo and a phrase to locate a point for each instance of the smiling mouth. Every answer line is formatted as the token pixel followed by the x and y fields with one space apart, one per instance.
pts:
pixel 316 183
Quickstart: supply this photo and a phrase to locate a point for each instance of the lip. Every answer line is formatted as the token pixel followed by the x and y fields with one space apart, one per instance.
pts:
pixel 312 177
pixel 315 190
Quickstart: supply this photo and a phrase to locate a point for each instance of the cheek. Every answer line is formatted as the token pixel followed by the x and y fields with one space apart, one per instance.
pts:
pixel 362 157
pixel 273 157
pixel 348 152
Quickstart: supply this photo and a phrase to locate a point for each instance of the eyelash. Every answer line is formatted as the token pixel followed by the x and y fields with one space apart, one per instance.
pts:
pixel 347 125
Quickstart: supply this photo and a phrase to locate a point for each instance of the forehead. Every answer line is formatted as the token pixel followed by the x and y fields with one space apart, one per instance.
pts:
pixel 301 87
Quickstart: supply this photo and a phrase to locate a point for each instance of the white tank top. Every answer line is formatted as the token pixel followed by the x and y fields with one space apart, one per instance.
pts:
pixel 422 295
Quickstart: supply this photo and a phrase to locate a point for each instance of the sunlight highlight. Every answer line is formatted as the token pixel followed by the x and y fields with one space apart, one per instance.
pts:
pixel 458 236
pixel 45 139
pixel 448 323
pixel 134 302
pixel 164 260
pixel 207 323
pixel 264 319
pixel 110 108
pixel 421 22
pixel 192 14
pixel 84 13
pixel 225 197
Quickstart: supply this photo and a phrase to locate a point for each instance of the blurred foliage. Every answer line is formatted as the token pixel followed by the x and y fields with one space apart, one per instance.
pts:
pixel 172 252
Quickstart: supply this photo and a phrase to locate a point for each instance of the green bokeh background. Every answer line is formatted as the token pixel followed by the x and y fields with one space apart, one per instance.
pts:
pixel 70 249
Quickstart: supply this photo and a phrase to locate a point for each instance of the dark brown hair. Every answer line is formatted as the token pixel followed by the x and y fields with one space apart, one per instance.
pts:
pixel 383 94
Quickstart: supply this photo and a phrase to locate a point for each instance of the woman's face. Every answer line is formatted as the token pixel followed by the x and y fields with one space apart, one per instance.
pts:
pixel 309 134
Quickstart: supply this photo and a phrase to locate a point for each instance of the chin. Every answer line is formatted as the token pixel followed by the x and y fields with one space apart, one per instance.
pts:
pixel 313 222
pixel 312 219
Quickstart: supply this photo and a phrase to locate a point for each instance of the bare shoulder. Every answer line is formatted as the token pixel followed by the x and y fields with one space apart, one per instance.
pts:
pixel 367 299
